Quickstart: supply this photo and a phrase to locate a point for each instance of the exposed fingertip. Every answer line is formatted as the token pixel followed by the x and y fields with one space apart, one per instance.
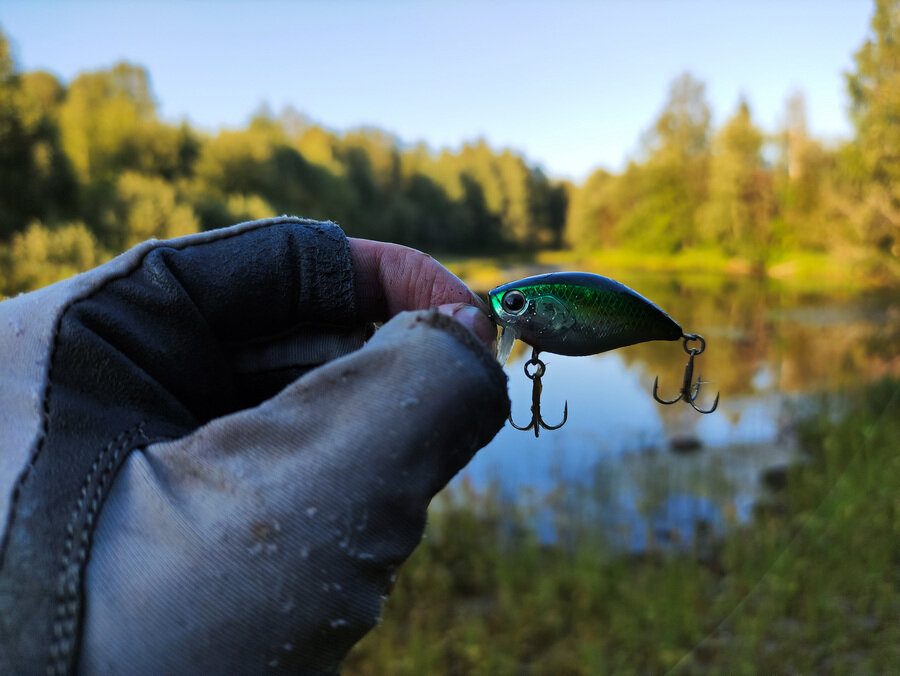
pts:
pixel 473 319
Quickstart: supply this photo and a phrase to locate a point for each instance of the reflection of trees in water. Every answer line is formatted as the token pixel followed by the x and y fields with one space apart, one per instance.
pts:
pixel 805 342
pixel 645 501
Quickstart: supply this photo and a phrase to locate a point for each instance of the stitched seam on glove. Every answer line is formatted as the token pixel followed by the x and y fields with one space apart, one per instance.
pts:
pixel 13 569
pixel 45 400
pixel 63 653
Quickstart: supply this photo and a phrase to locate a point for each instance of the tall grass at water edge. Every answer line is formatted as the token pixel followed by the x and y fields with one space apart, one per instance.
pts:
pixel 809 585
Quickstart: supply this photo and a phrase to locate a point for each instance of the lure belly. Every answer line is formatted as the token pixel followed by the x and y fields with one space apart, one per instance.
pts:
pixel 576 314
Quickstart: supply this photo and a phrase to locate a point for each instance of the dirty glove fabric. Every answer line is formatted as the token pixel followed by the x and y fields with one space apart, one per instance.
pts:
pixel 174 499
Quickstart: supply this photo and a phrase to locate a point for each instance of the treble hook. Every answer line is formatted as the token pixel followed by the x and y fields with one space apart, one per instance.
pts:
pixel 689 390
pixel 537 421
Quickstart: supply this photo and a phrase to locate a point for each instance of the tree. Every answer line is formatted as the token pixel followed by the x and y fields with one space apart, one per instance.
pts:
pixel 683 125
pixel 739 211
pixel 319 147
pixel 875 110
pixel 547 206
pixel 102 120
pixel 39 256
pixel 675 173
pixel 147 207
pixel 35 178
pixel 592 215
pixel 808 211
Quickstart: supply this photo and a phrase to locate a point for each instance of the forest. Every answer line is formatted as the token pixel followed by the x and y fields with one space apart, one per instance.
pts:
pixel 88 169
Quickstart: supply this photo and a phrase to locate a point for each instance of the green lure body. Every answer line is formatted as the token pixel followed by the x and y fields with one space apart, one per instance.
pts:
pixel 578 314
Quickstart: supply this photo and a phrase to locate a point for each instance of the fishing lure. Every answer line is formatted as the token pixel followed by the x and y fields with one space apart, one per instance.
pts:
pixel 579 314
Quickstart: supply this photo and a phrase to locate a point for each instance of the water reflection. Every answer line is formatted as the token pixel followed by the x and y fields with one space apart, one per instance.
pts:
pixel 645 476
pixel 613 463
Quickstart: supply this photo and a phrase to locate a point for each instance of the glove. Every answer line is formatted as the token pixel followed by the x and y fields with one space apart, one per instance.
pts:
pixel 203 468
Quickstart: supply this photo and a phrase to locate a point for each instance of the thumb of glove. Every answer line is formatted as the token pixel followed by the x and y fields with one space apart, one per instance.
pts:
pixel 266 539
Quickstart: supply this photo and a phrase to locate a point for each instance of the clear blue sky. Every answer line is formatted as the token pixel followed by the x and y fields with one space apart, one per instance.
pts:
pixel 572 85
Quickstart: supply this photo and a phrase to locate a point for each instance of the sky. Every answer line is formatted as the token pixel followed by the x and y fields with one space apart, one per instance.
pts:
pixel 571 85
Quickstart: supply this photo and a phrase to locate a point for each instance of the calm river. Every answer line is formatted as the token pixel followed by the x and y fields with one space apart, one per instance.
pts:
pixel 646 475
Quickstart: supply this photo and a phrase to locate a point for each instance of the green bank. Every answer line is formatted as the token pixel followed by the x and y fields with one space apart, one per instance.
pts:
pixel 809 585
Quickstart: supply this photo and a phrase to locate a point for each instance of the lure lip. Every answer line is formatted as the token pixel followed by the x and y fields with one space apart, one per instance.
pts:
pixel 503 347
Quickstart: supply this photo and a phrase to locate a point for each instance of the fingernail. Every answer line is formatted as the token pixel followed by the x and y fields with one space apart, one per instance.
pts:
pixel 473 319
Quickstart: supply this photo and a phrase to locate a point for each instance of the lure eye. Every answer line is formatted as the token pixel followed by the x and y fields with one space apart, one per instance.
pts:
pixel 514 302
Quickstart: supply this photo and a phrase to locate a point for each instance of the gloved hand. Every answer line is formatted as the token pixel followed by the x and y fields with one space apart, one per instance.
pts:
pixel 175 499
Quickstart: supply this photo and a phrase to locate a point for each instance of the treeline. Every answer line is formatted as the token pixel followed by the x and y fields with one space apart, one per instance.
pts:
pixel 745 192
pixel 87 169
pixel 739 190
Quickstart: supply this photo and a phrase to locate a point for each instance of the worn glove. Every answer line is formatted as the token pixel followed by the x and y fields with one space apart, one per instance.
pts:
pixel 202 467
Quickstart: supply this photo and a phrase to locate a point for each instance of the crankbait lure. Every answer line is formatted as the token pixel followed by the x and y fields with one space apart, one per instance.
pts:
pixel 579 314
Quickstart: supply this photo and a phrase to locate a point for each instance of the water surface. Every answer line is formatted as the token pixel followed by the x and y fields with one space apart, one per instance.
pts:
pixel 645 475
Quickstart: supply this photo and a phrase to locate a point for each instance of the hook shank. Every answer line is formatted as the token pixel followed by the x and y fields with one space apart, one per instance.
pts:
pixel 689 390
pixel 537 420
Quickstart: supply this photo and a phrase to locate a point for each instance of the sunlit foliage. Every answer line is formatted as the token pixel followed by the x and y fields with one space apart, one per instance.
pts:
pixel 35 177
pixel 875 96
pixel 147 207
pixel 38 256
pixel 737 215
pixel 654 203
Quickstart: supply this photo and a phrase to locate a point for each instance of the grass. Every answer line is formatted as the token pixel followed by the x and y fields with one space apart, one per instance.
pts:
pixel 810 585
